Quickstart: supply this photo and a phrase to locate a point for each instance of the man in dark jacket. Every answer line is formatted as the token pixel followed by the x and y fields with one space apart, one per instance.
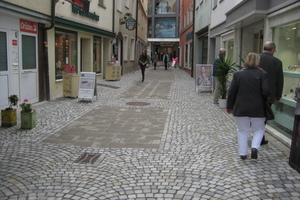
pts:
pixel 217 84
pixel 273 66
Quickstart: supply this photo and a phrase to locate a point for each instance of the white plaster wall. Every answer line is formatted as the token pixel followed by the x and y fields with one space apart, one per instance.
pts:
pixel 218 13
pixel 202 14
pixel 40 6
pixel 64 10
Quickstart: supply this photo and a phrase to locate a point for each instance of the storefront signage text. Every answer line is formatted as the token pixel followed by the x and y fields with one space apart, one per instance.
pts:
pixel 28 26
pixel 78 10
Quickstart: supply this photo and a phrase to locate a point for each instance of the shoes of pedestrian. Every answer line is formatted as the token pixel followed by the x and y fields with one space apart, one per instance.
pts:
pixel 264 142
pixel 243 157
pixel 254 153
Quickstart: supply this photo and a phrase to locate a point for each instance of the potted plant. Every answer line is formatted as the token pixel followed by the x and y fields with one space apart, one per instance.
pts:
pixel 9 115
pixel 225 67
pixel 28 115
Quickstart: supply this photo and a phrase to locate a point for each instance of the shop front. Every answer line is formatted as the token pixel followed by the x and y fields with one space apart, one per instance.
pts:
pixel 285 31
pixel 77 48
pixel 19 54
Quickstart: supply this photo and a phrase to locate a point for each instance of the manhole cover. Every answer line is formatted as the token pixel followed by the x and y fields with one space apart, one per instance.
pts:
pixel 88 158
pixel 138 103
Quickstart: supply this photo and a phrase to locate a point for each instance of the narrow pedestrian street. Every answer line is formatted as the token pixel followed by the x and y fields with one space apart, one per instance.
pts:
pixel 157 139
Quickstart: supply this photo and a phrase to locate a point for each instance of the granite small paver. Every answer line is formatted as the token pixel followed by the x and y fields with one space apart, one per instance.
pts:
pixel 173 143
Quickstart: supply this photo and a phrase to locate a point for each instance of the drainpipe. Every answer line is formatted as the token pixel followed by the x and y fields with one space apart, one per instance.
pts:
pixel 136 33
pixel 113 17
pixel 193 42
pixel 47 79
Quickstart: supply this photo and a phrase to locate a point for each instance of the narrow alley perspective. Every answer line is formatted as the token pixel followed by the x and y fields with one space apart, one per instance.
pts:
pixel 157 139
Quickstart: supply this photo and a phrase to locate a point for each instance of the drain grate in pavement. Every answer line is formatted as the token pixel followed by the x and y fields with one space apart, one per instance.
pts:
pixel 138 103
pixel 89 158
pixel 110 86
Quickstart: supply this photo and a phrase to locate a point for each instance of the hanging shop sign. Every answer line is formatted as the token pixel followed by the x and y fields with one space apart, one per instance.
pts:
pixel 129 21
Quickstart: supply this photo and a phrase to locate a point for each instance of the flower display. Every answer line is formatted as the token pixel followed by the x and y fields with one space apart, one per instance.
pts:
pixel 26 107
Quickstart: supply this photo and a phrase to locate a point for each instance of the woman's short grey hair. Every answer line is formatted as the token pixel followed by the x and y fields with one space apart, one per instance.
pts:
pixel 252 60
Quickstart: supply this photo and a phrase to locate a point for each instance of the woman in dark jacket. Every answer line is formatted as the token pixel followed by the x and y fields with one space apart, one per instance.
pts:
pixel 247 93
pixel 143 61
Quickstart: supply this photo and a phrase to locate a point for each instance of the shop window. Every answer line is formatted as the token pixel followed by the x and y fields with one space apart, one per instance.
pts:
pixel 165 6
pixel 149 7
pixel 149 28
pixel 28 52
pixel 97 55
pixel 3 52
pixel 186 55
pixel 125 48
pixel 165 27
pixel 287 38
pixel 228 45
pixel 132 49
pixel 65 52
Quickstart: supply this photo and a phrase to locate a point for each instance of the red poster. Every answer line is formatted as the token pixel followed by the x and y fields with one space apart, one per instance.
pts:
pixel 28 26
pixel 15 42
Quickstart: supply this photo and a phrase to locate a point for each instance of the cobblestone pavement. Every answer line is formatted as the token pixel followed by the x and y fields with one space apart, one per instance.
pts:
pixel 157 139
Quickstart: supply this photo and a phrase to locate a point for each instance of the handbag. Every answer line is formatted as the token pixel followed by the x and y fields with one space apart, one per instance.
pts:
pixel 268 111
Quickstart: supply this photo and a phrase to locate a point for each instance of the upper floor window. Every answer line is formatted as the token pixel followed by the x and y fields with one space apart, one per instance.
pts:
pixel 165 6
pixel 101 3
pixel 119 5
pixel 127 3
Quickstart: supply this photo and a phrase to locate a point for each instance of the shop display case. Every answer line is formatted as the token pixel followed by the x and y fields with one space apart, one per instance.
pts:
pixel 70 85
pixel 284 110
pixel 113 71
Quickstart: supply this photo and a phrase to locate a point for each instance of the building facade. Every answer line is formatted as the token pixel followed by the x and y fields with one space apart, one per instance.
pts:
pixel 186 44
pixel 243 26
pixel 163 28
pixel 22 62
pixel 43 40
pixel 80 40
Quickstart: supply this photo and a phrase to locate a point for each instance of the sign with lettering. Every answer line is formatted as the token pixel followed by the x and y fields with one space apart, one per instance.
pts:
pixel 28 26
pixel 82 12
pixel 87 85
pixel 130 23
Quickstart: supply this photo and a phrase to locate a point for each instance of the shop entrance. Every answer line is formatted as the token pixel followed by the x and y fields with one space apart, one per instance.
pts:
pixel 29 68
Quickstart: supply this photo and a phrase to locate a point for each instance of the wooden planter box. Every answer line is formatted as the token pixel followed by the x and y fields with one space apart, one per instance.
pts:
pixel 9 117
pixel 28 120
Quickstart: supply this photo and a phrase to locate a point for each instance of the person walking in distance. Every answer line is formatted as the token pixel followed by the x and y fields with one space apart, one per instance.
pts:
pixel 155 60
pixel 216 93
pixel 143 61
pixel 166 60
pixel 273 66
pixel 247 93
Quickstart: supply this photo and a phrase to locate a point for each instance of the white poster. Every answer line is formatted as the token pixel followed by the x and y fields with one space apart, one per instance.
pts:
pixel 204 78
pixel 87 85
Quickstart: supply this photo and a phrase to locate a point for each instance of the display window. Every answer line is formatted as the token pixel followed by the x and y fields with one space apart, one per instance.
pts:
pixel 65 52
pixel 97 55
pixel 287 38
pixel 165 6
pixel 165 27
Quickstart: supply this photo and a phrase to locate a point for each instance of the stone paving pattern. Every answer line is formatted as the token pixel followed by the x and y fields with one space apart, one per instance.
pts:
pixel 180 146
